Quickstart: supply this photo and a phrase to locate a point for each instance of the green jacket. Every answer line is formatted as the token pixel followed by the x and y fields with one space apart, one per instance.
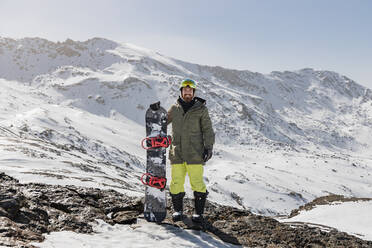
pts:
pixel 191 133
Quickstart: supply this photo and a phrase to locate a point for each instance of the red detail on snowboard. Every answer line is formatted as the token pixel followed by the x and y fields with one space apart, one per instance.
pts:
pixel 156 182
pixel 156 142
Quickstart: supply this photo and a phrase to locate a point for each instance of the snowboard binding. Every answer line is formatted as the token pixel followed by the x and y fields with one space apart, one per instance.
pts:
pixel 156 142
pixel 152 181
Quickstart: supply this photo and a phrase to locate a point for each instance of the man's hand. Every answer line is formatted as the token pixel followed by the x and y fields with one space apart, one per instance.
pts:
pixel 207 154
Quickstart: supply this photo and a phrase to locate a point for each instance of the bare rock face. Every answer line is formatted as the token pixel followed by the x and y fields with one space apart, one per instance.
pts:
pixel 12 234
pixel 241 227
pixel 29 210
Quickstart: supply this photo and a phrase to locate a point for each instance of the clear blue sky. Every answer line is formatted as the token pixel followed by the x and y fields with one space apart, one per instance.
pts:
pixel 256 35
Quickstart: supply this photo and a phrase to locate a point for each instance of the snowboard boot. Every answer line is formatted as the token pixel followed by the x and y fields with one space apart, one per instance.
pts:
pixel 177 200
pixel 199 198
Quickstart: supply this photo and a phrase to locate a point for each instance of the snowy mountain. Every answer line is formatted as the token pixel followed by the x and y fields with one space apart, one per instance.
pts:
pixel 73 113
pixel 305 107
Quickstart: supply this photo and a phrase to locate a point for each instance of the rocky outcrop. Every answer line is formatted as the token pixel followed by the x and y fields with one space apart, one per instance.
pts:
pixel 326 200
pixel 29 210
pixel 241 227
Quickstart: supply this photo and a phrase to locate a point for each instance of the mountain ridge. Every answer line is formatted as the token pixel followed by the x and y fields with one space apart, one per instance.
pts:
pixel 274 131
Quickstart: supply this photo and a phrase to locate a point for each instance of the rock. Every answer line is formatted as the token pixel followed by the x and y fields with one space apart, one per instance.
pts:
pixel 3 212
pixel 125 217
pixel 13 235
pixel 29 210
pixel 241 227
pixel 11 201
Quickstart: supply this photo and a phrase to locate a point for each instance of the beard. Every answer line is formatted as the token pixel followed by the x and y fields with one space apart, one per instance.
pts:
pixel 187 97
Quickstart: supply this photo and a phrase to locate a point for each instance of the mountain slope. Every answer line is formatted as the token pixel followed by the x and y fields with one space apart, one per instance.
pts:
pixel 72 113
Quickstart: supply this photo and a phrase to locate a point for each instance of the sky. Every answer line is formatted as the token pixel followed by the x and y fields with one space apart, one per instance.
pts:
pixel 255 35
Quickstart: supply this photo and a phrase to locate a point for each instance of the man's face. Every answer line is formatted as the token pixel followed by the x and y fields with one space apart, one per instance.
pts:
pixel 187 94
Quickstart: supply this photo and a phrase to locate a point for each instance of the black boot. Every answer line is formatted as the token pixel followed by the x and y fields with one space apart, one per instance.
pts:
pixel 200 199
pixel 177 200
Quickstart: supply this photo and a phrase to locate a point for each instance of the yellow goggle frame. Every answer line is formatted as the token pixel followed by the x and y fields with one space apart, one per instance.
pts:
pixel 189 82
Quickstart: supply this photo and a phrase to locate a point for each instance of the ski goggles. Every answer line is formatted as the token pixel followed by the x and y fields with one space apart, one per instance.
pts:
pixel 188 82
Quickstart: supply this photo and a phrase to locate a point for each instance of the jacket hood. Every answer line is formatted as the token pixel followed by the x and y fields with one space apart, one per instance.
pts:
pixel 201 100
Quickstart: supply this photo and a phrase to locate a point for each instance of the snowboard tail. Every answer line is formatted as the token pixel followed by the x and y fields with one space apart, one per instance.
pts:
pixel 157 217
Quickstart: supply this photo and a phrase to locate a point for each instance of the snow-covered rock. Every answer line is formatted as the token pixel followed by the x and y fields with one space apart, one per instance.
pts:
pixel 91 217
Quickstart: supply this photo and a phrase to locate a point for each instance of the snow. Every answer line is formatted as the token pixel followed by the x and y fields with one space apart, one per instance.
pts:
pixel 266 181
pixel 351 217
pixel 73 113
pixel 113 117
pixel 143 234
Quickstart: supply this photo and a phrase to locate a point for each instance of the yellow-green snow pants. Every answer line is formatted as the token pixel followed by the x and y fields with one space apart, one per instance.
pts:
pixel 195 172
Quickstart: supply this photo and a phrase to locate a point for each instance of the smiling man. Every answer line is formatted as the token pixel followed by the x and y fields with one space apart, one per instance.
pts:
pixel 192 145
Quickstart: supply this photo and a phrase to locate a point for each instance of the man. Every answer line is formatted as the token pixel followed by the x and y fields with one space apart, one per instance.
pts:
pixel 192 145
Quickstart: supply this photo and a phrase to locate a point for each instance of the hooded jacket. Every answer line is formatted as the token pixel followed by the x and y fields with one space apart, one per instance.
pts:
pixel 192 132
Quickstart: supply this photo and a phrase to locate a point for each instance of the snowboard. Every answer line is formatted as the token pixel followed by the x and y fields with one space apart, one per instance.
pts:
pixel 155 177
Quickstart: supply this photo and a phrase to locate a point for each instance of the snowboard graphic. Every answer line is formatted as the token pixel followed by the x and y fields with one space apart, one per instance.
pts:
pixel 155 180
